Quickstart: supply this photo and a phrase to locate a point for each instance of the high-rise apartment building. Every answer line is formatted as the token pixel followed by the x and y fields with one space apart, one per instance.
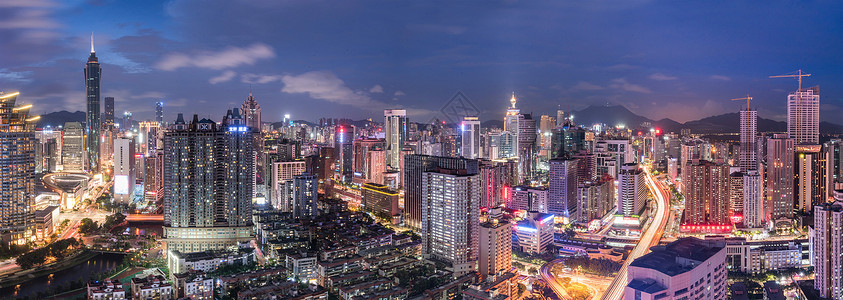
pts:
pixel 753 199
pixel 611 155
pixel 494 184
pixel 780 177
pixel 495 245
pixel 736 194
pixel 450 224
pixel 526 147
pixel 208 184
pixel 124 170
pixel 73 148
pixel 17 168
pixel 706 197
pixel 302 195
pixel 562 186
pixel 803 116
pixel 395 129
pixel 470 138
pixel 810 177
pixel 343 143
pixel 595 199
pixel 92 72
pixel 280 173
pixel 368 167
pixel 414 167
pixel 749 150
pixel 527 198
pixel 828 249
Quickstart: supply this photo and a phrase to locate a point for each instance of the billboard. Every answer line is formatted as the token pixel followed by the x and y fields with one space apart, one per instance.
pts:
pixel 121 184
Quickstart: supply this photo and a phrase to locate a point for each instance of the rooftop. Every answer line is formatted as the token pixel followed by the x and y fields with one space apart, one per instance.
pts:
pixel 680 256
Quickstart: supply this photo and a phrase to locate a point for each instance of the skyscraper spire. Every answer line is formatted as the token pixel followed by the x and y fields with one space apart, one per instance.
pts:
pixel 512 100
pixel 92 42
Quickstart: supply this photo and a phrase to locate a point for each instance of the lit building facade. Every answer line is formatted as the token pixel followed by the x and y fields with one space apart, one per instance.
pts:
pixel 73 148
pixel 535 233
pixel 395 129
pixel 92 72
pixel 470 137
pixel 803 116
pixel 414 167
pixel 495 246
pixel 124 170
pixel 780 177
pixel 562 186
pixel 827 250
pixel 208 184
pixel 17 168
pixel 450 226
pixel 706 197
pixel 688 268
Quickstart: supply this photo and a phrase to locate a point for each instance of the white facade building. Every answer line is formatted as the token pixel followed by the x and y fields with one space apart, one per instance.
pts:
pixel 470 142
pixel 827 250
pixel 450 226
pixel 803 116
pixel 535 232
pixel 688 268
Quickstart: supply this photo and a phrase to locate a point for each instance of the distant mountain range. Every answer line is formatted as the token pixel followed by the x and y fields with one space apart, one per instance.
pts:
pixel 611 115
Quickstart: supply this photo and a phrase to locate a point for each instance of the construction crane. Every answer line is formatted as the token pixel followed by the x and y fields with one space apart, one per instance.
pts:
pixel 798 75
pixel 747 98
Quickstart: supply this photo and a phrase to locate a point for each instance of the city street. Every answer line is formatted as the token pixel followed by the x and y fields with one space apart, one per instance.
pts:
pixel 650 238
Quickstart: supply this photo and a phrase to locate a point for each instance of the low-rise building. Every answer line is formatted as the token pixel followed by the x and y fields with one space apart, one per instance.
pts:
pixel 193 285
pixel 151 287
pixel 107 289
pixel 495 287
pixel 761 256
pixel 210 260
pixel 688 268
pixel 302 266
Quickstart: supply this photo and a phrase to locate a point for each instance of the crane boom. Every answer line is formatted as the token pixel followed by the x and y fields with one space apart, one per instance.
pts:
pixel 747 98
pixel 798 75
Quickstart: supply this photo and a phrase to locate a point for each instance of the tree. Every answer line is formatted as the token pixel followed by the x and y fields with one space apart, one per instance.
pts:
pixel 32 258
pixel 532 270
pixel 113 220
pixel 88 226
pixel 518 265
pixel 521 289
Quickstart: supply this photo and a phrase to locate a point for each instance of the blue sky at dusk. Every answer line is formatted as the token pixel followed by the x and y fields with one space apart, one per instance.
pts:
pixel 682 60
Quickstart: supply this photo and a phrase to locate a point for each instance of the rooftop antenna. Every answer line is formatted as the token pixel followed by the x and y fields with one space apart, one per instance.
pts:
pixel 92 42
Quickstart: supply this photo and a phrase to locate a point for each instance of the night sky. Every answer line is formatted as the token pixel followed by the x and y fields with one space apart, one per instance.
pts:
pixel 353 59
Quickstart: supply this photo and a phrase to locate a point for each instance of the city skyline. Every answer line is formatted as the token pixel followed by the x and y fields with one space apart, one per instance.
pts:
pixel 164 51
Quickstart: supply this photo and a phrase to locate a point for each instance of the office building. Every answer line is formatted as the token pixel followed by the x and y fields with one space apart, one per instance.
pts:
pixel 379 199
pixel 780 178
pixel 495 248
pixel 124 170
pixel 368 166
pixel 706 197
pixel 495 183
pixel 470 138
pixel 688 268
pixel 108 113
pixel 632 196
pixel 301 196
pixel 159 112
pixel 450 225
pixel 611 155
pixel 281 172
pixel 17 169
pixel 252 113
pixel 343 143
pixel 510 125
pixel 736 194
pixel 208 184
pixel 567 140
pixel 827 250
pixel 73 148
pixel 414 167
pixel 562 186
pixel 148 137
pixel 535 233
pixel 527 198
pixel 803 116
pixel 395 129
pixel 526 147
pixel 92 72
pixel 758 256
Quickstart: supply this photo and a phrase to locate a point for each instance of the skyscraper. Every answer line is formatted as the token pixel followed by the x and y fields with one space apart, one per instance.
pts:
pixel 73 147
pixel 780 180
pixel 159 112
pixel 395 128
pixel 108 115
pixel 252 112
pixel 127 121
pixel 208 177
pixel 562 187
pixel 803 116
pixel 749 150
pixel 810 177
pixel 470 138
pixel 827 250
pixel 414 167
pixel 526 147
pixel 17 168
pixel 510 124
pixel 450 224
pixel 92 72
pixel 632 192
pixel 753 199
pixel 343 143
pixel 303 194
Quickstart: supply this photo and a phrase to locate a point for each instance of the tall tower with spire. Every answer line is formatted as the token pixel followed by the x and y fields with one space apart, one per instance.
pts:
pixel 92 73
pixel 510 125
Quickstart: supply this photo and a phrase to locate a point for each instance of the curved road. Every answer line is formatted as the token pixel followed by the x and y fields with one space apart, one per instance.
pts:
pixel 650 238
